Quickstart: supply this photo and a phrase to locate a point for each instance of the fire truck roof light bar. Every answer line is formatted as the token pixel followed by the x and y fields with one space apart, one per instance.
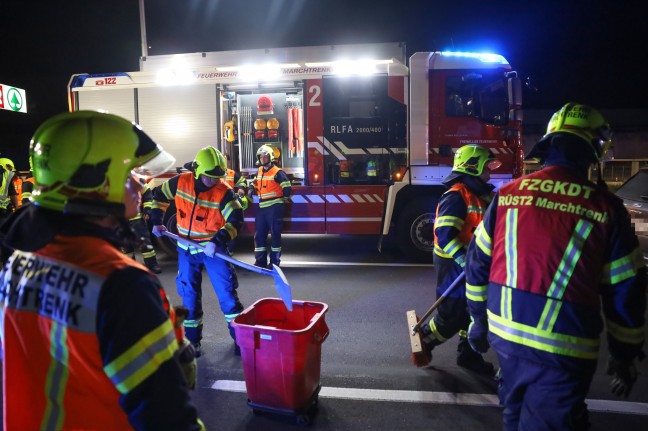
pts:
pixel 485 57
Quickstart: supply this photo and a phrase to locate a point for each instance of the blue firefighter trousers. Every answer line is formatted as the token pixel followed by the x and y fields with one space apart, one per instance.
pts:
pixel 189 280
pixel 268 220
pixel 539 397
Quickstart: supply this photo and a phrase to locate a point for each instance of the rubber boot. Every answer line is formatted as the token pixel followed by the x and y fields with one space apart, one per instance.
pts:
pixel 151 263
pixel 429 340
pixel 471 360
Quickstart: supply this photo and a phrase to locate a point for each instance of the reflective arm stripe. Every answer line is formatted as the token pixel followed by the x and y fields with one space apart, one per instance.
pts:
pixel 623 268
pixel 483 240
pixel 510 242
pixel 285 184
pixel 449 221
pixel 231 230
pixel 624 334
pixel 476 293
pixel 568 345
pixel 144 358
pixel 453 247
pixel 232 205
pixel 166 190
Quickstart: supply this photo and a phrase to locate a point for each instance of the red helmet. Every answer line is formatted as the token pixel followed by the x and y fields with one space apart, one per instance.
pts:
pixel 265 106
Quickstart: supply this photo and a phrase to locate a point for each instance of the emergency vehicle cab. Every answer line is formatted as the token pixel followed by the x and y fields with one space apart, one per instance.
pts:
pixel 365 136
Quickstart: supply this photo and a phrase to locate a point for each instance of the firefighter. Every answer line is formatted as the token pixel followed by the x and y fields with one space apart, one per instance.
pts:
pixel 237 183
pixel 209 213
pixel 554 254
pixel 88 341
pixel 459 211
pixel 8 194
pixel 273 188
pixel 140 228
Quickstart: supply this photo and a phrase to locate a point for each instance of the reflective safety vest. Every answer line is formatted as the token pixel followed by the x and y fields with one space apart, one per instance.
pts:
pixel 475 208
pixel 269 191
pixel 7 178
pixel 547 306
pixel 52 361
pixel 199 217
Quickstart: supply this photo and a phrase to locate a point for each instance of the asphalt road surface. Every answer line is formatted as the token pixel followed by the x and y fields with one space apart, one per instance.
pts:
pixel 367 377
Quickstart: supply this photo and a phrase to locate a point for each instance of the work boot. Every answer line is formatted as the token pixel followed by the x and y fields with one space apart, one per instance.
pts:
pixel 198 349
pixel 471 360
pixel 152 265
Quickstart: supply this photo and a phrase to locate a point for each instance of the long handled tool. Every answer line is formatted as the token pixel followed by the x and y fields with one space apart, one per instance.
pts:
pixel 281 284
pixel 419 356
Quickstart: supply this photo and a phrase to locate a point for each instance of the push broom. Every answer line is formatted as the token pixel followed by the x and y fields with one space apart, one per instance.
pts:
pixel 420 356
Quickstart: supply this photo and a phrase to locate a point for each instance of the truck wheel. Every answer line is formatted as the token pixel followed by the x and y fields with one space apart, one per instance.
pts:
pixel 415 229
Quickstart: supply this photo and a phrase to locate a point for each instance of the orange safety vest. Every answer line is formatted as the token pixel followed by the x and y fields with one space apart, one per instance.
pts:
pixel 475 207
pixel 268 190
pixel 52 362
pixel 229 177
pixel 199 218
pixel 18 187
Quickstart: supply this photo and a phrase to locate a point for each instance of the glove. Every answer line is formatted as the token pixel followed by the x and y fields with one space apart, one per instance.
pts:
pixel 187 359
pixel 158 229
pixel 478 336
pixel 210 249
pixel 624 374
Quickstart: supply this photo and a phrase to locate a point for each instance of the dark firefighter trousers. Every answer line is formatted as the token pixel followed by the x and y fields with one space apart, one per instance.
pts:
pixel 268 220
pixel 539 397
pixel 189 280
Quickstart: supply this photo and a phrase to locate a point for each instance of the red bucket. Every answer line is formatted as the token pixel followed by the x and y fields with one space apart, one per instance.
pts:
pixel 281 352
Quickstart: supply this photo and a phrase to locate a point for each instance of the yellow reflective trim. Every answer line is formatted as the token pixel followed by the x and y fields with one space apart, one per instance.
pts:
pixel 625 334
pixel 476 293
pixel 142 359
pixel 449 221
pixel 435 332
pixel 547 341
pixel 56 380
pixel 483 240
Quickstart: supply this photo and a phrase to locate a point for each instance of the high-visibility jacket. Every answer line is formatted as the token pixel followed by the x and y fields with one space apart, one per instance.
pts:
pixel 66 366
pixel 6 188
pixel 201 215
pixel 271 186
pixel 551 249
pixel 456 221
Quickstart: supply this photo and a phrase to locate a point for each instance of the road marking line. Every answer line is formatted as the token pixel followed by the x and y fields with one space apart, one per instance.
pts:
pixel 289 264
pixel 480 400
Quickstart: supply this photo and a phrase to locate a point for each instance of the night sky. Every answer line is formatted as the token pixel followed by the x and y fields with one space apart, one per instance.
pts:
pixel 592 52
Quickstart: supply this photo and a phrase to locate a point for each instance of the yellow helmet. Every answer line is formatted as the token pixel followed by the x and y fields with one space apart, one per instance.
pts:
pixel 265 149
pixel 471 159
pixel 580 120
pixel 7 164
pixel 209 162
pixel 82 160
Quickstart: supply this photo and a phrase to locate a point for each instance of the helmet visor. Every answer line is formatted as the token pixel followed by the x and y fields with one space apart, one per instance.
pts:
pixel 154 167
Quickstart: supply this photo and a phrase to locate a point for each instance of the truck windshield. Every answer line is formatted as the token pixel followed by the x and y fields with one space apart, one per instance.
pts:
pixel 479 95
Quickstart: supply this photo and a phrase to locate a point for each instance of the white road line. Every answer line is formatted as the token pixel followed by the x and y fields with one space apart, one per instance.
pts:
pixel 479 400
pixel 289 264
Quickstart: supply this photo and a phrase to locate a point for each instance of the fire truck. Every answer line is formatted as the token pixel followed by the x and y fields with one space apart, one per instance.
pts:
pixel 365 136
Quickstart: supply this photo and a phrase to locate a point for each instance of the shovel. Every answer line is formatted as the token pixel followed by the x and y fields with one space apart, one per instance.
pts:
pixel 281 284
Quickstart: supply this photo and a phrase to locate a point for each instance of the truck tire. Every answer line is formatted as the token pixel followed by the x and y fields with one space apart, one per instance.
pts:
pixel 415 229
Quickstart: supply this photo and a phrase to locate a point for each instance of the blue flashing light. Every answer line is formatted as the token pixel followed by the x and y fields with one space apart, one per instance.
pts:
pixel 484 57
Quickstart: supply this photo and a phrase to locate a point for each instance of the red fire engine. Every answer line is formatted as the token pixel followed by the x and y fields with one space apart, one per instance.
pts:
pixel 365 136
